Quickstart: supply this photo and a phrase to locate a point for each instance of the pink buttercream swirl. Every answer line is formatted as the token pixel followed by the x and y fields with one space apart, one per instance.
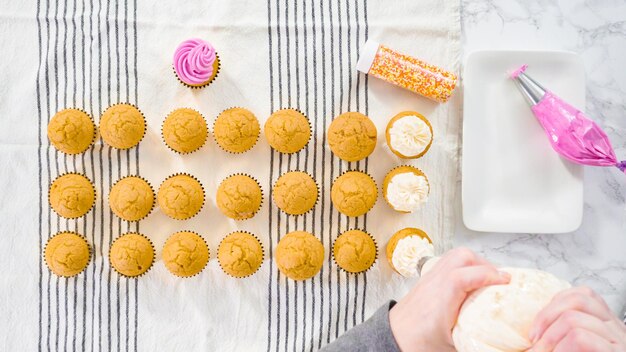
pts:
pixel 193 61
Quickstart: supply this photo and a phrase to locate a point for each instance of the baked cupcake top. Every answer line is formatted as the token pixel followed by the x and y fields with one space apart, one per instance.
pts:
pixel 185 254
pixel 195 62
pixel 67 254
pixel 409 135
pixel 236 130
pixel 180 196
pixel 184 130
pixel 131 254
pixel 354 193
pixel 287 130
pixel 405 249
pixel 299 255
pixel 131 198
pixel 295 192
pixel 354 251
pixel 240 254
pixel 71 131
pixel 239 197
pixel 122 126
pixel 71 195
pixel 406 188
pixel 352 136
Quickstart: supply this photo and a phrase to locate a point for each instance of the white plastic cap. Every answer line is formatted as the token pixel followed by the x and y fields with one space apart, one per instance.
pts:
pixel 368 53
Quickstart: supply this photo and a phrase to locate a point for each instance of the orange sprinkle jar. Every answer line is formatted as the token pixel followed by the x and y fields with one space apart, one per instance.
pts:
pixel 406 71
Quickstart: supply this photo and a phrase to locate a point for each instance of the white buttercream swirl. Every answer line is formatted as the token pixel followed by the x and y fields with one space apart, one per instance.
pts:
pixel 409 135
pixel 408 253
pixel 407 191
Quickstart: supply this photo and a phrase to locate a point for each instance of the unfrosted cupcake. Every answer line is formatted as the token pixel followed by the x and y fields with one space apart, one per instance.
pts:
pixel 71 195
pixel 405 249
pixel 239 197
pixel 122 126
pixel 240 254
pixel 354 251
pixel 406 188
pixel 196 63
pixel 181 196
pixel 236 130
pixel 295 192
pixel 131 254
pixel 299 255
pixel 354 193
pixel 184 130
pixel 352 136
pixel 71 131
pixel 131 198
pixel 409 135
pixel 67 254
pixel 185 254
pixel 287 131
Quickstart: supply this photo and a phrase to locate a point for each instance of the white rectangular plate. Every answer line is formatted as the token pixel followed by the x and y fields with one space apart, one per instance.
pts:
pixel 512 179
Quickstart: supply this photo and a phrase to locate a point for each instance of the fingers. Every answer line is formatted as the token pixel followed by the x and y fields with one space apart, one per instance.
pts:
pixel 460 257
pixel 580 340
pixel 468 279
pixel 567 322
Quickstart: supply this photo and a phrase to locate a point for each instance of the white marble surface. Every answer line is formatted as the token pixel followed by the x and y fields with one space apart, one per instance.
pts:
pixel 595 254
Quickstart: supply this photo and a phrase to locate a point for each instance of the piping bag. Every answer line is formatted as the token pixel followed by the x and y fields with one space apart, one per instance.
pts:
pixel 572 134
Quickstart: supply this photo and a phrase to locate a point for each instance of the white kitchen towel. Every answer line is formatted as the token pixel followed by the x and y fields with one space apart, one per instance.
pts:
pixel 275 54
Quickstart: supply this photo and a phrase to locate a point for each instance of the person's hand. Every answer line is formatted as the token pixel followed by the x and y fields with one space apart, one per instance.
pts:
pixel 424 318
pixel 577 320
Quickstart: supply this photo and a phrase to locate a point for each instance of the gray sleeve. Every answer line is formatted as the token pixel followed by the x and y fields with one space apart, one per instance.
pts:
pixel 372 335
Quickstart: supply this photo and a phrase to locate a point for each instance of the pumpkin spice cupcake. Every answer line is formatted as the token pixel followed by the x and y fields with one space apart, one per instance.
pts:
pixel 131 198
pixel 184 130
pixel 122 126
pixel 236 130
pixel 406 188
pixel 354 251
pixel 352 136
pixel 185 254
pixel 240 254
pixel 181 196
pixel 409 135
pixel 299 255
pixel 71 195
pixel 67 254
pixel 71 131
pixel 131 254
pixel 196 63
pixel 239 197
pixel 405 249
pixel 287 131
pixel 354 193
pixel 295 192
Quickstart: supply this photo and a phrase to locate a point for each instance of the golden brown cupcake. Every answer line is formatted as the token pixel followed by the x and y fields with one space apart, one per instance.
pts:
pixel 239 197
pixel 287 130
pixel 67 254
pixel 131 198
pixel 181 196
pixel 295 192
pixel 240 254
pixel 354 251
pixel 236 130
pixel 131 254
pixel 71 131
pixel 352 136
pixel 406 188
pixel 405 249
pixel 299 255
pixel 185 254
pixel 409 135
pixel 122 126
pixel 71 195
pixel 184 130
pixel 354 193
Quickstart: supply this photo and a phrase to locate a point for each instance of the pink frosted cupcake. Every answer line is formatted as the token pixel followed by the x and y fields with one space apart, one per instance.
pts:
pixel 196 63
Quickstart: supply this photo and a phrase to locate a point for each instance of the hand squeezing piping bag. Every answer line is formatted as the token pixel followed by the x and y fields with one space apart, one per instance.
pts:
pixel 572 134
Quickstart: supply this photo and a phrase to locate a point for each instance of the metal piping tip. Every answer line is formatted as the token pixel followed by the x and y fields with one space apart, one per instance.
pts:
pixel 530 89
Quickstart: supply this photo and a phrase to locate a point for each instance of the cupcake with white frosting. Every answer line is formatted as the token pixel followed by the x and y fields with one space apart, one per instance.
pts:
pixel 405 249
pixel 406 188
pixel 409 135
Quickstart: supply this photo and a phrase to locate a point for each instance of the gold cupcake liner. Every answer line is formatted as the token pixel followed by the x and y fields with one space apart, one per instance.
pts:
pixel 389 251
pixel 95 194
pixel 371 178
pixel 205 265
pixel 257 136
pixel 310 130
pixel 195 150
pixel 389 172
pixel 332 251
pixel 151 264
pixel 193 177
pixel 257 182
pixel 95 131
pixel 217 73
pixel 317 188
pixel 262 254
pixel 399 116
pixel 77 234
pixel 153 194
pixel 145 124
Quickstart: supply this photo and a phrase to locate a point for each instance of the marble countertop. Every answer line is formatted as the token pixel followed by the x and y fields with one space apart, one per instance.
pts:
pixel 595 254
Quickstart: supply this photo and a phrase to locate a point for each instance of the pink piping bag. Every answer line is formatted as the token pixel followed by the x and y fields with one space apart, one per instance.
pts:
pixel 573 135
